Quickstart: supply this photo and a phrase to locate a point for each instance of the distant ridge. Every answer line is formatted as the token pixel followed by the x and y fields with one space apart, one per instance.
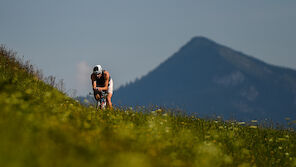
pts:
pixel 207 78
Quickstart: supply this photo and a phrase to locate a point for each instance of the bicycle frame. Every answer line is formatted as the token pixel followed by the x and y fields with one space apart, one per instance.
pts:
pixel 101 102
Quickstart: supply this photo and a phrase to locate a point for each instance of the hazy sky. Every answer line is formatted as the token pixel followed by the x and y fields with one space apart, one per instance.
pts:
pixel 66 38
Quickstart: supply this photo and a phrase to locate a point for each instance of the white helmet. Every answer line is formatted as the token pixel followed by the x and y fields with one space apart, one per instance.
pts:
pixel 97 69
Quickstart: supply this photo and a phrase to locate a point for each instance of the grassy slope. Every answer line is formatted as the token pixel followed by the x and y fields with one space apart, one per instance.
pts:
pixel 40 126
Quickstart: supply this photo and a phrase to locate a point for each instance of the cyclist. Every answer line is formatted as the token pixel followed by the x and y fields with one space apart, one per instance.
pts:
pixel 102 81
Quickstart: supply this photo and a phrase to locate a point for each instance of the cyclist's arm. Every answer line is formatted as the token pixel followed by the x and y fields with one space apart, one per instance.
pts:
pixel 93 81
pixel 106 82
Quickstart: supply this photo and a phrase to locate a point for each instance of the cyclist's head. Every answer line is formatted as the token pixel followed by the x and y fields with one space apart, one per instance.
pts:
pixel 97 69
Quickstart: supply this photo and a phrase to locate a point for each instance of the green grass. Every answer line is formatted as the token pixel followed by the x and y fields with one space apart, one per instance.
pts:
pixel 41 126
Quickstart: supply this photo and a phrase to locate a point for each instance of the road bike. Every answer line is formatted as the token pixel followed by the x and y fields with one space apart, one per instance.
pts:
pixel 101 102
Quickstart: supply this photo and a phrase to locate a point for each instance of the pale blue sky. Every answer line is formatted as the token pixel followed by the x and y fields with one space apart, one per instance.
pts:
pixel 65 38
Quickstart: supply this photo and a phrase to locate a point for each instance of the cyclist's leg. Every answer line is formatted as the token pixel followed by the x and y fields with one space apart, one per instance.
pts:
pixel 110 93
pixel 109 103
pixel 97 95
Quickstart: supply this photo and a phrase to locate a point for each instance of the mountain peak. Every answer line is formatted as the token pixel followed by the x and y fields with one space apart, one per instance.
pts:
pixel 201 40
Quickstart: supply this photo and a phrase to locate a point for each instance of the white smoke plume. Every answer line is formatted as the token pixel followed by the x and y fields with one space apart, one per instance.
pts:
pixel 83 77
